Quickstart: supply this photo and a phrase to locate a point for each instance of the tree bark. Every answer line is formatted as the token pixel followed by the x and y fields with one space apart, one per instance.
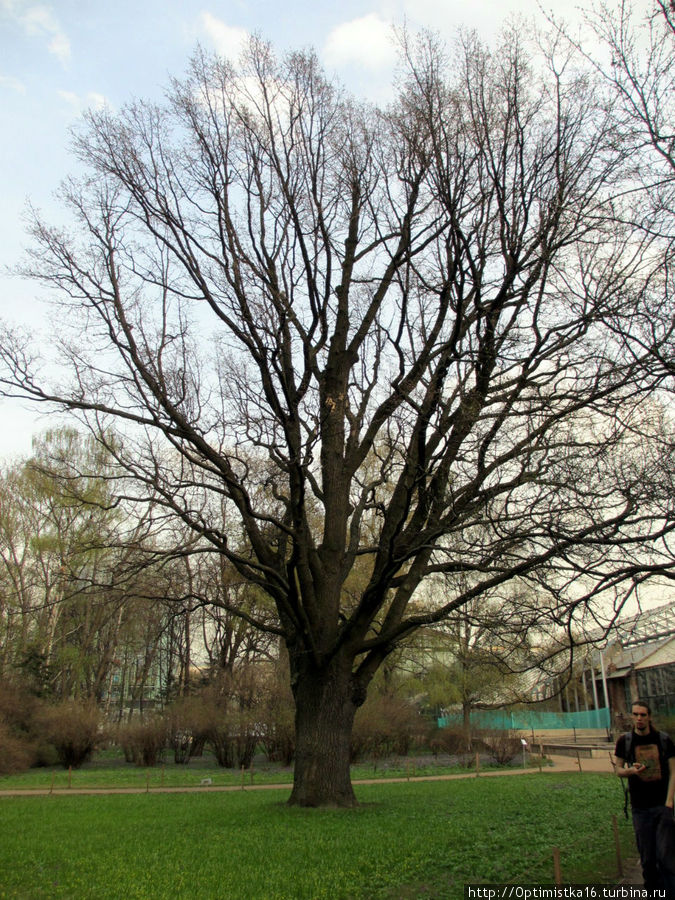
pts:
pixel 325 702
pixel 466 723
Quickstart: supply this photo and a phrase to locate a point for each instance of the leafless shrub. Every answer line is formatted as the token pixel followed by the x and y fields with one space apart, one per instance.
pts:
pixel 215 728
pixel 188 721
pixel 143 743
pixel 16 753
pixel 18 743
pixel 277 724
pixel 218 716
pixel 502 745
pixel 386 726
pixel 450 740
pixel 73 729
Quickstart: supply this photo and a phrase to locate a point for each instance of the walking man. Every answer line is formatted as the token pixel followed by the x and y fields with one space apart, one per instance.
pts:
pixel 646 757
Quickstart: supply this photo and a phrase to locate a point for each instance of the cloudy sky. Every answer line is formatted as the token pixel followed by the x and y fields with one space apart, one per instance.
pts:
pixel 59 58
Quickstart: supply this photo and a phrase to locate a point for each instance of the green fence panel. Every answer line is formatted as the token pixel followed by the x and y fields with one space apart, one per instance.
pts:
pixel 527 720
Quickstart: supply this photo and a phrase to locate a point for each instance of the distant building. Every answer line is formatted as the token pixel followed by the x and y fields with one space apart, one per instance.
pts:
pixel 645 671
pixel 634 659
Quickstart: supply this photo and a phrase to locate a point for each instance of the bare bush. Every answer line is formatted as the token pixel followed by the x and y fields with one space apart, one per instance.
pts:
pixel 451 740
pixel 246 735
pixel 222 747
pixel 143 743
pixel 16 753
pixel 17 707
pixel 238 708
pixel 503 746
pixel 188 721
pixel 209 724
pixel 73 728
pixel 277 724
pixel 231 731
pixel 18 742
pixel 386 726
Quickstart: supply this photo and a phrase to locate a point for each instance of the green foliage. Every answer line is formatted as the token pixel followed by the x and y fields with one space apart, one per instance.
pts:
pixel 36 671
pixel 405 840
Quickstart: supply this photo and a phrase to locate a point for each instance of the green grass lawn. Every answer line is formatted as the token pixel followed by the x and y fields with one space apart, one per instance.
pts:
pixel 112 772
pixel 405 841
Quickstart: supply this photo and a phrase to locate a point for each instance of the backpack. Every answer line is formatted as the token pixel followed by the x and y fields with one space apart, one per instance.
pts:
pixel 630 757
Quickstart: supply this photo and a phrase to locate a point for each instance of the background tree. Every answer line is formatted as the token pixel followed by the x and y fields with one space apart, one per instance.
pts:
pixel 342 338
pixel 227 639
pixel 632 53
pixel 57 548
pixel 479 657
pixel 100 600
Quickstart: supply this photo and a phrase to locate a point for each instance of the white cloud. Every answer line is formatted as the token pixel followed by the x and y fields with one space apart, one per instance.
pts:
pixel 367 42
pixel 12 84
pixel 59 46
pixel 228 40
pixel 38 20
pixel 487 17
pixel 79 103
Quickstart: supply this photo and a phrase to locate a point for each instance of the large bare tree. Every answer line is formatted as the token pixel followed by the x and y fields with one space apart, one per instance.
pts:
pixel 351 347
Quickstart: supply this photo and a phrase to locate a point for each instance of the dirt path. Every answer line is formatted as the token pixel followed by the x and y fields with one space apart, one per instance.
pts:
pixel 560 764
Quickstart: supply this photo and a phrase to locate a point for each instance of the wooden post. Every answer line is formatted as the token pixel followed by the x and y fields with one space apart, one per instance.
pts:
pixel 556 866
pixel 579 761
pixel 619 861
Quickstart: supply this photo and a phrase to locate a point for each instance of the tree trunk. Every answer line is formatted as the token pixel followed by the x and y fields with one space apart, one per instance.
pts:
pixel 325 702
pixel 466 724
